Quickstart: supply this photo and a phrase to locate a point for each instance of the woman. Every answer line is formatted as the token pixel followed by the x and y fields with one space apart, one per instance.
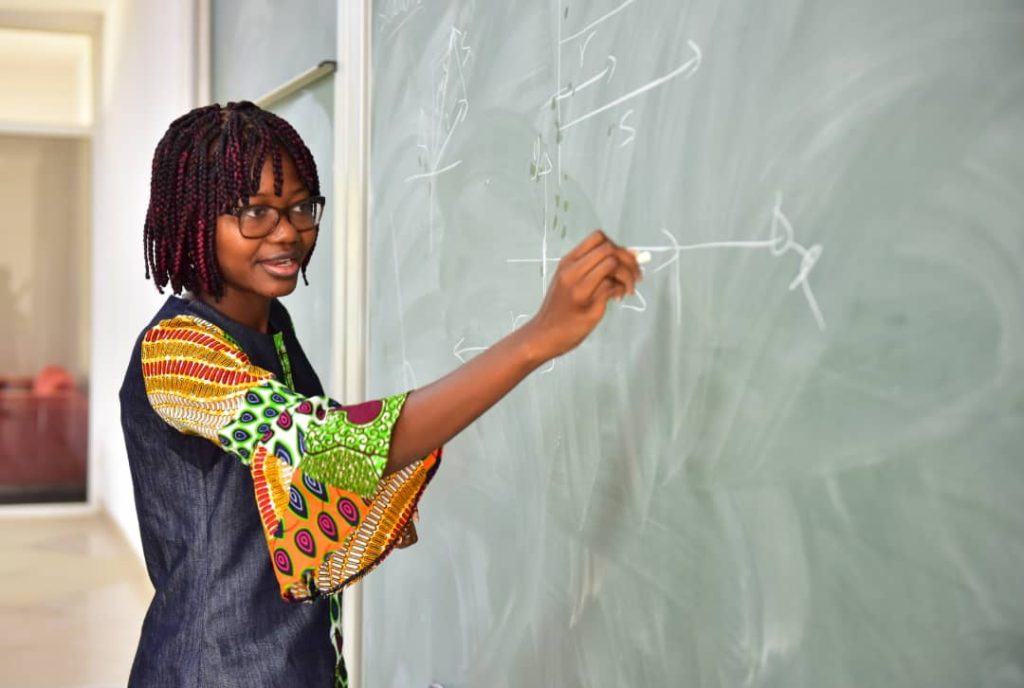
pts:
pixel 250 485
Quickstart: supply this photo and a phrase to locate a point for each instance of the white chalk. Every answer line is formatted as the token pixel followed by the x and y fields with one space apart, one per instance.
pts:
pixel 642 256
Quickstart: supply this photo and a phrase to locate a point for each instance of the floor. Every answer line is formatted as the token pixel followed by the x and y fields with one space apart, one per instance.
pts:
pixel 72 599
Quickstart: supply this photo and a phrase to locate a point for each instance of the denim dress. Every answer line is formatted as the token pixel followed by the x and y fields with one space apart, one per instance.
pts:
pixel 218 617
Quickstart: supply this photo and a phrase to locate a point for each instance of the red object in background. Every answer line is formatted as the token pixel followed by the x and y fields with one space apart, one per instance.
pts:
pixel 51 381
pixel 43 432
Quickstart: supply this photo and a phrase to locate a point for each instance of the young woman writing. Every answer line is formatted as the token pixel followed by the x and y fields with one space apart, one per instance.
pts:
pixel 250 484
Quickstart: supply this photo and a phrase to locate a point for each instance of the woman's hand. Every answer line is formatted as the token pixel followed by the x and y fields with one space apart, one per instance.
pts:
pixel 588 276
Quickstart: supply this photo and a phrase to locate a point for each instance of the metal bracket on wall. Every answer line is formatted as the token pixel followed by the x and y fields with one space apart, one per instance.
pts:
pixel 310 76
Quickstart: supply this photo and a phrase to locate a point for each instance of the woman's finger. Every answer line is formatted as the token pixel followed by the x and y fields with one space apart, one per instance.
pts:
pixel 594 239
pixel 630 259
pixel 605 269
pixel 626 276
pixel 622 274
pixel 608 289
pixel 576 272
pixel 637 267
pixel 626 270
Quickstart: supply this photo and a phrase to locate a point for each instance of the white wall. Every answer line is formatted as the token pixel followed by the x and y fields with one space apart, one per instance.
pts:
pixel 47 77
pixel 147 80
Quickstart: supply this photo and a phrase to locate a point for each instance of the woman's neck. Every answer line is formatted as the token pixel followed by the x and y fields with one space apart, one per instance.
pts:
pixel 245 308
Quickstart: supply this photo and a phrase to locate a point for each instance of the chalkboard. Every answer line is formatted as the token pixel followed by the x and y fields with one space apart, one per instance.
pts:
pixel 797 459
pixel 258 45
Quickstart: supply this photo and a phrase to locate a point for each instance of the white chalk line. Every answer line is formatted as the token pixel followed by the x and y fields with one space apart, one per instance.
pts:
pixel 568 92
pixel 596 22
pixel 435 137
pixel 403 22
pixel 691 66
pixel 408 374
pixel 780 242
pixel 668 249
pixel 584 44
pixel 625 127
pixel 433 173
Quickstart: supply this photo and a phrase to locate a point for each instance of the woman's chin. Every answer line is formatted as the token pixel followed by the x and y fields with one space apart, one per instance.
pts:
pixel 279 288
pixel 275 281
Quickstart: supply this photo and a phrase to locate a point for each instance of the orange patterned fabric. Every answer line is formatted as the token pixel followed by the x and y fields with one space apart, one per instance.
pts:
pixel 326 537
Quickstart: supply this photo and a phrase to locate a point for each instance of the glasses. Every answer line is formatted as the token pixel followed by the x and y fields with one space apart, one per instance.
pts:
pixel 257 221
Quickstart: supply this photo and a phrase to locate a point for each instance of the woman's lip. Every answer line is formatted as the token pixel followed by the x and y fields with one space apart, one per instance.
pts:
pixel 277 268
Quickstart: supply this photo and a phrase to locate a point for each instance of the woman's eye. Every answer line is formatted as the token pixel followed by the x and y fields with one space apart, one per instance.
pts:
pixel 306 208
pixel 255 212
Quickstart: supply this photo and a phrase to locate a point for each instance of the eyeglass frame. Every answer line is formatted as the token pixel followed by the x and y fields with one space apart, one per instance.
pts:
pixel 281 212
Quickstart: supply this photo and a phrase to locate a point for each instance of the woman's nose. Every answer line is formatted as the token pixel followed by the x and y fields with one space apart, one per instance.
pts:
pixel 284 232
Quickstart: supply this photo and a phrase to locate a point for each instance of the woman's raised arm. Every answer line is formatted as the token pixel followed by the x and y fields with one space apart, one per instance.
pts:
pixel 595 271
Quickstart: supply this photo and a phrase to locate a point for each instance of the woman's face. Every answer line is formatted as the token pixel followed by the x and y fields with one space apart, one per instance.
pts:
pixel 256 270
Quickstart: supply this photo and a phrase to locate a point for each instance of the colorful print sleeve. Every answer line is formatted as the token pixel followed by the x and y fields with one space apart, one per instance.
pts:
pixel 329 515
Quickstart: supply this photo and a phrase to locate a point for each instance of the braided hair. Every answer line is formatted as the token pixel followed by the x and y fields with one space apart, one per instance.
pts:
pixel 210 161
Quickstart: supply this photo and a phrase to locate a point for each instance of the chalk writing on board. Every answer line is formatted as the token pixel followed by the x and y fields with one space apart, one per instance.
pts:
pixel 458 350
pixel 400 10
pixel 544 147
pixel 541 164
pixel 592 25
pixel 780 242
pixel 630 131
pixel 569 90
pixel 389 10
pixel 583 46
pixel 564 91
pixel 408 374
pixel 685 70
pixel 447 111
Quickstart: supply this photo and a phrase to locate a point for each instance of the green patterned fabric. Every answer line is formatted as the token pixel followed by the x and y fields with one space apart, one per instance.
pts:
pixel 282 357
pixel 316 433
pixel 275 415
pixel 349 455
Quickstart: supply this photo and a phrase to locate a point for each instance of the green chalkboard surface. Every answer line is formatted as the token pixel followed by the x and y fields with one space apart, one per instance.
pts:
pixel 796 459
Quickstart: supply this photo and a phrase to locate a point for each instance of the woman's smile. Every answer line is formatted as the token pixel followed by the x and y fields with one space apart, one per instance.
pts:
pixel 283 265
